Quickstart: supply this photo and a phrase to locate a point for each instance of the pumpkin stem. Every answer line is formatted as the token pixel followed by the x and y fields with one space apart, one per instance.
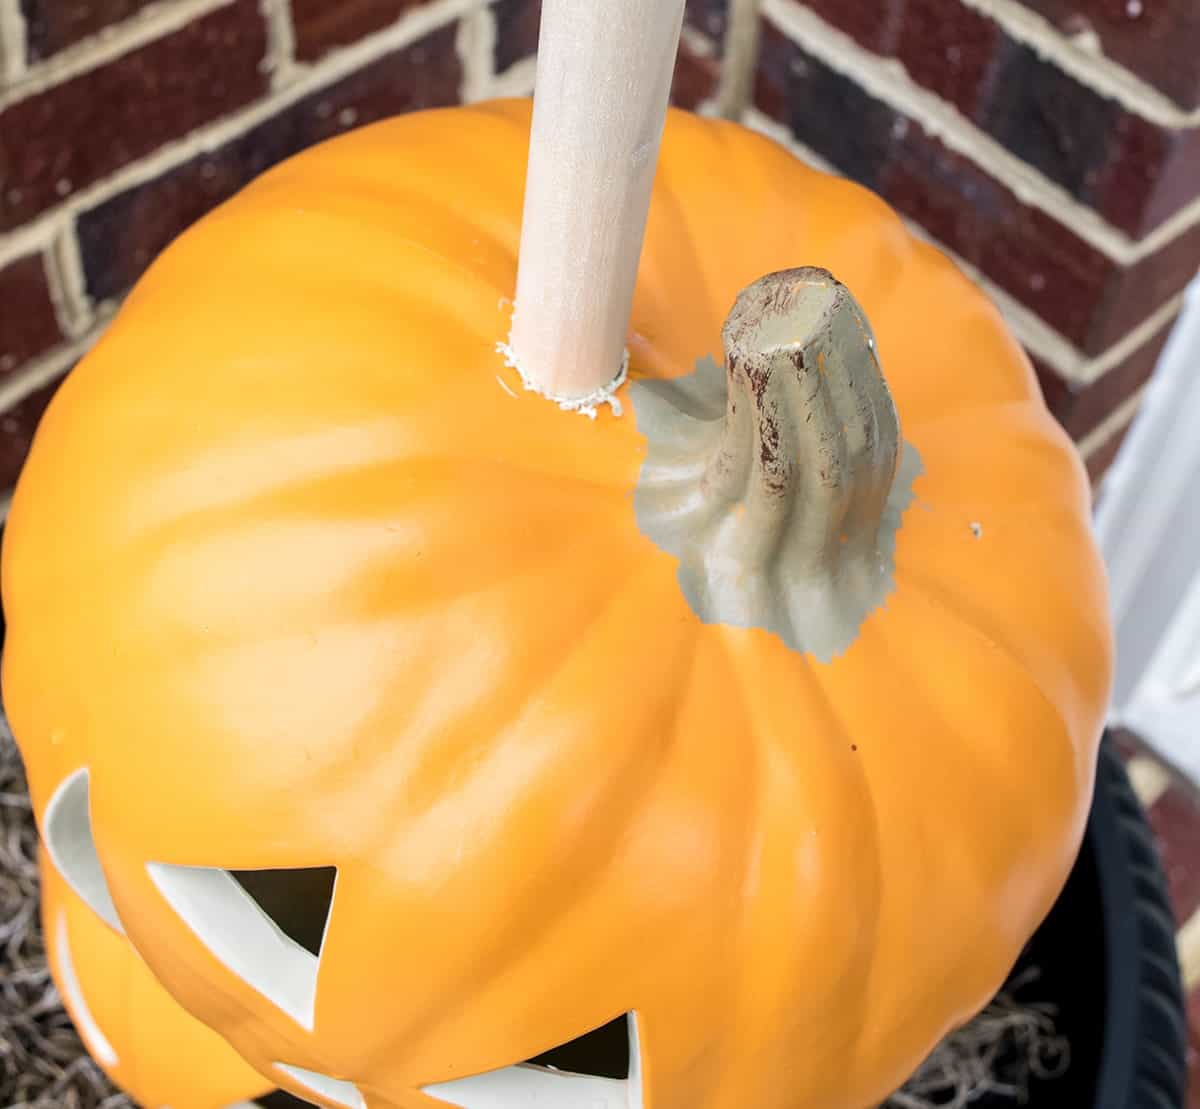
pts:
pixel 811 437
pixel 783 509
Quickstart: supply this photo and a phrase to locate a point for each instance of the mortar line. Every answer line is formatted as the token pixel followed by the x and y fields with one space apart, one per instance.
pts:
pixel 408 29
pixel 95 51
pixel 886 80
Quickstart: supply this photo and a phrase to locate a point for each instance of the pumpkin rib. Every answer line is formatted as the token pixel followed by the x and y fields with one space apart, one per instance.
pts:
pixel 182 552
pixel 614 860
pixel 971 975
pixel 473 970
pixel 757 1002
pixel 840 740
pixel 933 595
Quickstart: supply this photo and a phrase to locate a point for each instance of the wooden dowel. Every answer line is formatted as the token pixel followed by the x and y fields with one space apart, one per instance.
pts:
pixel 603 84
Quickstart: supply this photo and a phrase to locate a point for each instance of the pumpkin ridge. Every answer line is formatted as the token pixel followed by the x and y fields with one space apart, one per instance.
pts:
pixel 984 632
pixel 499 957
pixel 632 801
pixel 840 739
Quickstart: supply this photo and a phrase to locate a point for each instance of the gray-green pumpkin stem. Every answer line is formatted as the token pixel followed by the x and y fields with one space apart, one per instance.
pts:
pixel 780 484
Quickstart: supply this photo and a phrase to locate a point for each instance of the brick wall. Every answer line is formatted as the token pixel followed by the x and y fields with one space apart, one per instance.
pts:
pixel 1053 146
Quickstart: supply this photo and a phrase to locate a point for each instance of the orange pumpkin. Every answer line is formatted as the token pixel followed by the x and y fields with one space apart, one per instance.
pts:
pixel 304 580
pixel 141 1037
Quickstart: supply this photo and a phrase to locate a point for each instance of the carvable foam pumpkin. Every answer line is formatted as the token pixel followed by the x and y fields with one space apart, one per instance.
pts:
pixel 759 720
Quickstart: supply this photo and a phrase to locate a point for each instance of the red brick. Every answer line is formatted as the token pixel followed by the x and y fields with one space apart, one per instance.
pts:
pixel 696 78
pixel 1134 173
pixel 696 74
pixel 77 132
pixel 1082 408
pixel 517 25
pixel 1178 178
pixel 1101 459
pixel 1175 818
pixel 120 238
pixel 17 426
pixel 322 25
pixel 1131 188
pixel 1080 291
pixel 1158 39
pixel 1031 256
pixel 1149 174
pixel 28 324
pixel 1049 119
pixel 949 49
pixel 815 101
pixel 1136 292
pixel 52 25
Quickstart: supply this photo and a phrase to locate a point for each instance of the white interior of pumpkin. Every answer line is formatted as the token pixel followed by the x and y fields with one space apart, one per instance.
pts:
pixel 244 939
pixel 332 1089
pixel 240 935
pixel 68 832
pixel 531 1087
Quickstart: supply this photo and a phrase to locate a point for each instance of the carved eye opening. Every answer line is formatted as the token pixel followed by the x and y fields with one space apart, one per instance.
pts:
pixel 67 825
pixel 267 927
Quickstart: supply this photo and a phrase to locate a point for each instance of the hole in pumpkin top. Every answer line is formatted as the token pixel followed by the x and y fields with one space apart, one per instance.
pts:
pixel 266 926
pixel 68 830
pixel 599 1070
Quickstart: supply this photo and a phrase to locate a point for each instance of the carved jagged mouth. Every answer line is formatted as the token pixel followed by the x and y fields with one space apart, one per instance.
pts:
pixel 269 928
pixel 599 1070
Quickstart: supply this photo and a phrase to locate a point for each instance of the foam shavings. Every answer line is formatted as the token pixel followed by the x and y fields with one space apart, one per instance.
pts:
pixel 586 405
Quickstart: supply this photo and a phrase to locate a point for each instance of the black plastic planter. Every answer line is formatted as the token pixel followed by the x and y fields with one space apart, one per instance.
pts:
pixel 1107 960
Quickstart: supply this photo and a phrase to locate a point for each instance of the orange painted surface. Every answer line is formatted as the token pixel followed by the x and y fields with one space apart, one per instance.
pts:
pixel 303 585
pixel 163 1056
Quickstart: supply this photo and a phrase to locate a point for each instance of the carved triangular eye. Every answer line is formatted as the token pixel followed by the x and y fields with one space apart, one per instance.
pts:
pixel 266 926
pixel 68 829
pixel 540 1082
pixel 298 901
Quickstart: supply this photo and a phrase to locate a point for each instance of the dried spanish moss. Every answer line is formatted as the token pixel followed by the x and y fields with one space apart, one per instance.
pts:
pixel 1009 1045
